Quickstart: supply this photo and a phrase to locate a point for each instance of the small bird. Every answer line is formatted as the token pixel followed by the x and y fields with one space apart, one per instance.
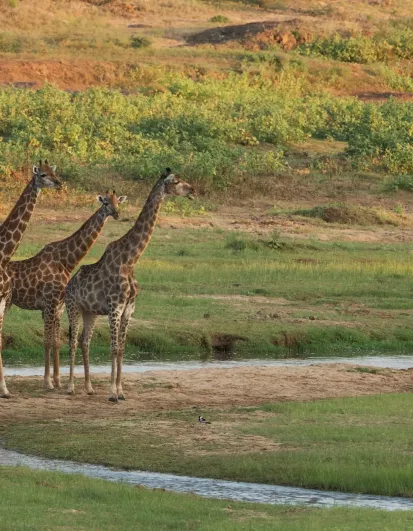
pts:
pixel 203 421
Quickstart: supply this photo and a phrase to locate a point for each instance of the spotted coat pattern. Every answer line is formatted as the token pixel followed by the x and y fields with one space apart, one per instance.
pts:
pixel 39 283
pixel 109 287
pixel 11 234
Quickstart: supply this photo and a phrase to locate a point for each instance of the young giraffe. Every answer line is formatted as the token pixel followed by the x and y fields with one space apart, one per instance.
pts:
pixel 11 233
pixel 108 287
pixel 39 283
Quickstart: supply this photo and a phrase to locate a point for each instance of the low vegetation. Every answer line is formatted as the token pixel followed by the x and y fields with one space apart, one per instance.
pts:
pixel 52 499
pixel 360 445
pixel 348 214
pixel 290 297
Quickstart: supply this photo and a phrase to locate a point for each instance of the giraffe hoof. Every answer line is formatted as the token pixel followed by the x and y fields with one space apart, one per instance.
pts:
pixel 90 392
pixel 70 392
pixel 113 399
pixel 5 395
pixel 121 397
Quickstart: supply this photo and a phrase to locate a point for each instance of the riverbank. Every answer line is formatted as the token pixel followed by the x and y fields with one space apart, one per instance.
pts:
pixel 320 427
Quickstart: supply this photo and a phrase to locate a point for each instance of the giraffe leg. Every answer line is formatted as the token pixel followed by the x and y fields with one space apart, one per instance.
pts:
pixel 4 393
pixel 49 318
pixel 73 313
pixel 56 347
pixel 126 317
pixel 114 322
pixel 89 321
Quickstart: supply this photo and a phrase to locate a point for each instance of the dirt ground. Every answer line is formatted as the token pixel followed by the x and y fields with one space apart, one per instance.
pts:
pixel 197 389
pixel 253 219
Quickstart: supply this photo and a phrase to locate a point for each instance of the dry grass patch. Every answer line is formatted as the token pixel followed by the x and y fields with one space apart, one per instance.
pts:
pixel 349 214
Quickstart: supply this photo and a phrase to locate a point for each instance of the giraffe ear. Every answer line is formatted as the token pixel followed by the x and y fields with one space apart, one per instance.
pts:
pixel 100 199
pixel 36 170
pixel 122 199
pixel 53 167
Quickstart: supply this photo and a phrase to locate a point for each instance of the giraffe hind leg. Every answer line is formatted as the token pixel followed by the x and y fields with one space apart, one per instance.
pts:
pixel 73 313
pixel 49 327
pixel 89 321
pixel 114 323
pixel 56 347
pixel 126 317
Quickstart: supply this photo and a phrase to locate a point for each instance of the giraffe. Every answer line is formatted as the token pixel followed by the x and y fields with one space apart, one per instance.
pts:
pixel 39 283
pixel 11 233
pixel 109 287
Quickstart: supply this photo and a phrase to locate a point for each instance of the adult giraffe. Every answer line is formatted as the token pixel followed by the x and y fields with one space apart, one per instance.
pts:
pixel 109 287
pixel 11 234
pixel 39 283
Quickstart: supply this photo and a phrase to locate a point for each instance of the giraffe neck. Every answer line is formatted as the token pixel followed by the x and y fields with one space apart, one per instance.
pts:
pixel 130 247
pixel 12 230
pixel 70 251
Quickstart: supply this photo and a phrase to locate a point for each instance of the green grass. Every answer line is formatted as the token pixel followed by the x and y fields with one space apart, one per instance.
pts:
pixel 331 298
pixel 361 445
pixel 44 500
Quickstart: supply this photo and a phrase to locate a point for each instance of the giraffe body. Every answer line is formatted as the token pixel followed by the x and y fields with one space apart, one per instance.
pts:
pixel 109 287
pixel 11 234
pixel 39 282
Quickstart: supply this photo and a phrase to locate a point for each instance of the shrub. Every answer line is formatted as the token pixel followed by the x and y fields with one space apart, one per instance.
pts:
pixel 383 46
pixel 220 19
pixel 401 182
pixel 137 41
pixel 238 242
pixel 352 215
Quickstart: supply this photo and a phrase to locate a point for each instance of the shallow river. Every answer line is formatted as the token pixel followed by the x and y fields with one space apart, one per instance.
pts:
pixel 391 362
pixel 231 490
pixel 213 488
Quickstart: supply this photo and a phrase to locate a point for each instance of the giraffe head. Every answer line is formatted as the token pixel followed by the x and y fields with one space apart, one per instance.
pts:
pixel 110 203
pixel 176 186
pixel 44 176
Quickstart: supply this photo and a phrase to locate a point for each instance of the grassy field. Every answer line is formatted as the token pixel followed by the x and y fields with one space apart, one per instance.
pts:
pixel 360 445
pixel 53 500
pixel 283 296
pixel 299 141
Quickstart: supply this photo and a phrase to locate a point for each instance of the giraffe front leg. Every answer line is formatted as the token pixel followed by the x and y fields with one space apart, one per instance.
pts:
pixel 89 321
pixel 114 322
pixel 49 318
pixel 74 316
pixel 126 317
pixel 4 393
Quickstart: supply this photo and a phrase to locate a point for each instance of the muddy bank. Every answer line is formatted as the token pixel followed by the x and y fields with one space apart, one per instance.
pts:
pixel 198 389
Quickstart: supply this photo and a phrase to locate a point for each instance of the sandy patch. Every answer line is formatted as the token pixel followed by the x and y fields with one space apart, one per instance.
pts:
pixel 197 390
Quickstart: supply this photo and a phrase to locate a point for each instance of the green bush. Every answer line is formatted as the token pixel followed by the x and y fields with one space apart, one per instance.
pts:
pixel 382 47
pixel 137 41
pixel 219 19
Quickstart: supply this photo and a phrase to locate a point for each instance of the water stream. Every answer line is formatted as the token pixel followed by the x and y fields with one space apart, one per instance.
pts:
pixel 391 362
pixel 213 488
